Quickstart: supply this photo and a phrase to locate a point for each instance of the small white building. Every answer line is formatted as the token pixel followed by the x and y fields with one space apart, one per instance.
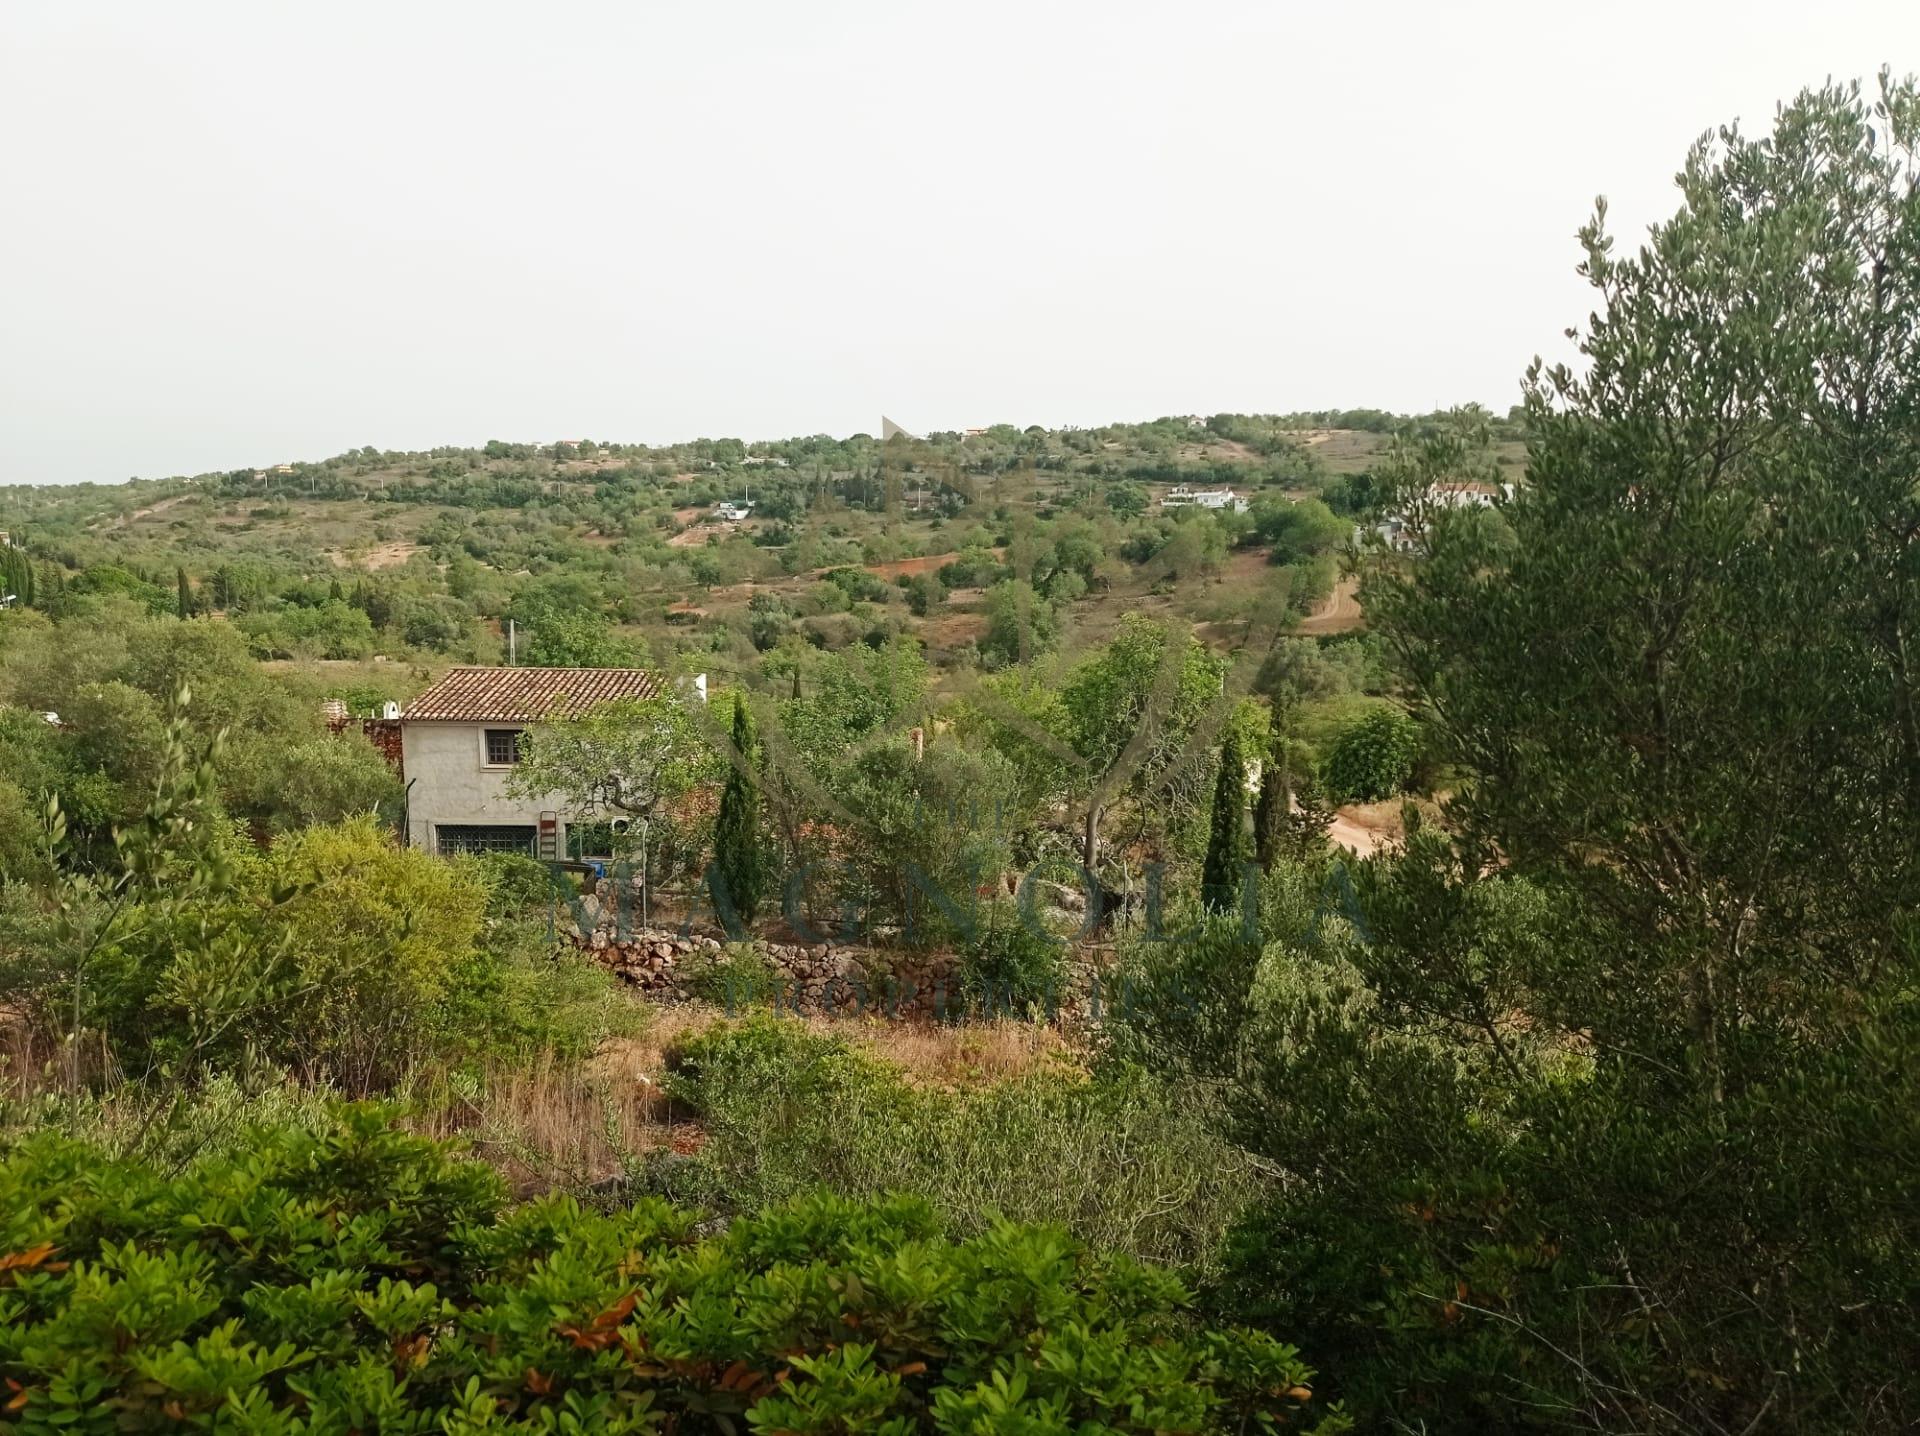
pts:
pixel 1404 532
pixel 460 742
pixel 1462 495
pixel 1182 496
pixel 731 512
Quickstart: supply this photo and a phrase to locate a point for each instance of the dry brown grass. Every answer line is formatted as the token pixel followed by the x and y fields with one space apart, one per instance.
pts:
pixel 574 1125
pixel 928 1055
pixel 552 1124
pixel 974 1055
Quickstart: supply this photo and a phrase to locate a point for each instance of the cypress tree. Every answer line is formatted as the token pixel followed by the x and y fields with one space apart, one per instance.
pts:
pixel 1289 817
pixel 1270 809
pixel 736 831
pixel 185 600
pixel 1227 842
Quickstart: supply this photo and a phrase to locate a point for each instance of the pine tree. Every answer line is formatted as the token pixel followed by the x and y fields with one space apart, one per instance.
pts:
pixel 1227 842
pixel 736 833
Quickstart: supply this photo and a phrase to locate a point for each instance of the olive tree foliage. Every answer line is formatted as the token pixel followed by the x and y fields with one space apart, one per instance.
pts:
pixel 1121 727
pixel 1690 688
pixel 1678 683
pixel 628 757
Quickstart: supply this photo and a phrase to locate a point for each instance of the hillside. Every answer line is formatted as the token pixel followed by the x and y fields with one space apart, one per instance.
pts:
pixel 430 554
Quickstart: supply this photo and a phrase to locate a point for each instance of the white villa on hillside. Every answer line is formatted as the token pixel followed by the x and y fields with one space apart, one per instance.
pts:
pixel 1180 496
pixel 460 742
pixel 1402 531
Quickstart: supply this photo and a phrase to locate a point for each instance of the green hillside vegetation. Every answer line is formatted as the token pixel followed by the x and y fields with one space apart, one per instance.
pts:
pixel 1506 1001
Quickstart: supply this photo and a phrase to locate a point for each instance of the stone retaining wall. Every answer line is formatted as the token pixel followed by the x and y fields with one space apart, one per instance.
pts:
pixel 831 980
pixel 834 980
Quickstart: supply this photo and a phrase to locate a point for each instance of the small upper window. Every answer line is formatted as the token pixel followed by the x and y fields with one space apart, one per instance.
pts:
pixel 503 747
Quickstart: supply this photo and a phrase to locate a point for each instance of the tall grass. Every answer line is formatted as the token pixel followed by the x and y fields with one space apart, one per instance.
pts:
pixel 1123 1164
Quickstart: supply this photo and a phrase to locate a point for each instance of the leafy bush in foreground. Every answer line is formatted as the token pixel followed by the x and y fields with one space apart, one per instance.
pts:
pixel 360 1279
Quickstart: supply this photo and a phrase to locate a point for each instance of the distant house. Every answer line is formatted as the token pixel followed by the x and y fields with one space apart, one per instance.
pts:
pixel 1395 534
pixel 1456 495
pixel 1183 497
pixel 1194 421
pixel 732 513
pixel 1405 532
pixel 460 742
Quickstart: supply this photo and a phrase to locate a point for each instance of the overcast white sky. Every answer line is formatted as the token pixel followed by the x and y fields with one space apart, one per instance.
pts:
pixel 236 234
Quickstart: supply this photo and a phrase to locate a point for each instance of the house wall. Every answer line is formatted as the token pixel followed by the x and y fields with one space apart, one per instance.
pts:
pixel 449 781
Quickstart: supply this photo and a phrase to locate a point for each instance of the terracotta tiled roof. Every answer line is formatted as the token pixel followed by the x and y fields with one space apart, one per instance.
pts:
pixel 525 695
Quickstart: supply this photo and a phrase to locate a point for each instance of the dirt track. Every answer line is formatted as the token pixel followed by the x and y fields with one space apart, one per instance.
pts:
pixel 1349 831
pixel 1339 612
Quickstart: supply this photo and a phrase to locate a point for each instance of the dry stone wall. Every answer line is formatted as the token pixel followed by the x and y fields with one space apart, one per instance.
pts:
pixel 814 979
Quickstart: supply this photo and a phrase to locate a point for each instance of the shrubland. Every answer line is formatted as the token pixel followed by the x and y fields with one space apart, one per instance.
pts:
pixel 355 1278
pixel 1586 1104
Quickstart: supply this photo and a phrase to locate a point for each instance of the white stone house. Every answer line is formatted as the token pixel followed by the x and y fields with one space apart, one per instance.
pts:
pixel 460 742
pixel 1181 496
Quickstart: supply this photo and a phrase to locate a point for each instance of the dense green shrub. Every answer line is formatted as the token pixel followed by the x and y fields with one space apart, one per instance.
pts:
pixel 336 954
pixel 518 885
pixel 738 976
pixel 1125 1163
pixel 358 1279
pixel 1483 1218
pixel 1010 968
pixel 515 994
pixel 1374 758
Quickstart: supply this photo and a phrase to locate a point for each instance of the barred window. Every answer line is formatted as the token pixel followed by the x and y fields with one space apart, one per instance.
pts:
pixel 503 747
pixel 451 839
